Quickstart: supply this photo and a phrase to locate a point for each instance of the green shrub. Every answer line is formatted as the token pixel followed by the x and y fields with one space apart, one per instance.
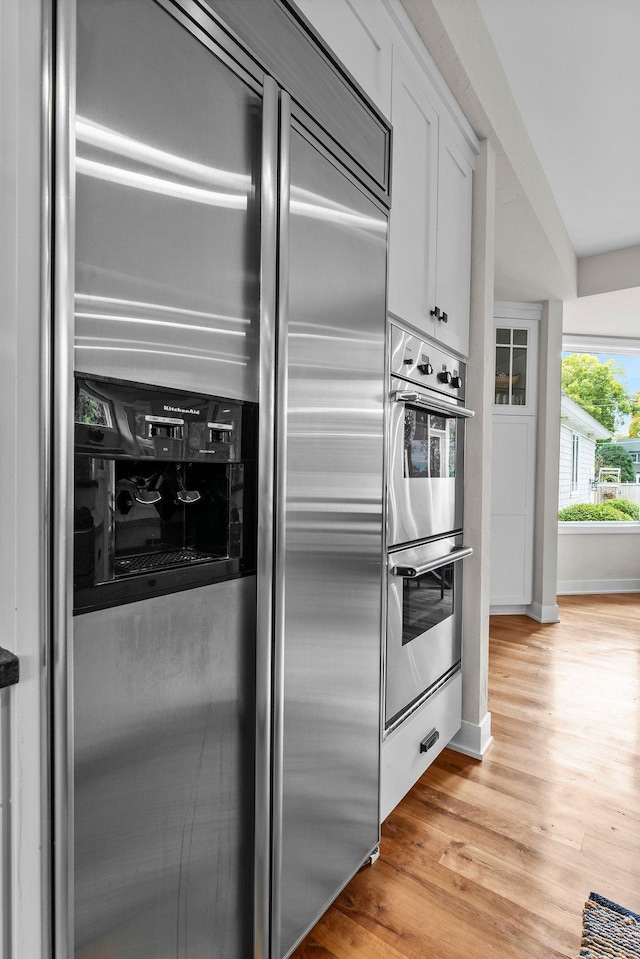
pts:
pixel 613 455
pixel 626 506
pixel 592 512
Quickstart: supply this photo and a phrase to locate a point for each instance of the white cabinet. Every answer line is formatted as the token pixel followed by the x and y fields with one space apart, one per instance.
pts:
pixel 453 265
pixel 430 232
pixel 403 757
pixel 432 162
pixel 513 457
pixel 414 189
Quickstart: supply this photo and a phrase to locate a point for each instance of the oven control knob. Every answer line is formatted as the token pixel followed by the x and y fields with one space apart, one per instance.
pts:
pixel 456 382
pixel 425 368
pixel 445 376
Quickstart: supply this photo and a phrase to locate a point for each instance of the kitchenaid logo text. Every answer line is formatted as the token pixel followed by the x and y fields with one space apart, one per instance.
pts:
pixel 178 409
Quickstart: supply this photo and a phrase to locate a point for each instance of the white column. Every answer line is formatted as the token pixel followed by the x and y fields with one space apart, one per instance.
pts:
pixel 544 607
pixel 475 735
pixel 23 915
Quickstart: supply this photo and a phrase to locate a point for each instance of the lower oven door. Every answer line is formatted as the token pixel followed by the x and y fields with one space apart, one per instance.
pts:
pixel 424 629
pixel 426 464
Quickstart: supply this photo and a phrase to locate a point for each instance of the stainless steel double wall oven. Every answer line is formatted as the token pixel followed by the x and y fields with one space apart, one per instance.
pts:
pixel 425 521
pixel 220 270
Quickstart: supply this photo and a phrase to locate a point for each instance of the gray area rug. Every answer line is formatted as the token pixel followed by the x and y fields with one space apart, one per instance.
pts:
pixel 609 931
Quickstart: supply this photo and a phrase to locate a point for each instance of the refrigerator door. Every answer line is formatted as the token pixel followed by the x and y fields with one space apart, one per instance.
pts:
pixel 330 570
pixel 156 854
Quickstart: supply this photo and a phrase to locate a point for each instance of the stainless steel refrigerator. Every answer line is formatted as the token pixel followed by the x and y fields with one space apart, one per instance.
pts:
pixel 220 242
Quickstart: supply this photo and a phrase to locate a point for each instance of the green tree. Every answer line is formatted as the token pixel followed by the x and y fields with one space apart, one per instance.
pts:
pixel 597 388
pixel 610 454
pixel 634 425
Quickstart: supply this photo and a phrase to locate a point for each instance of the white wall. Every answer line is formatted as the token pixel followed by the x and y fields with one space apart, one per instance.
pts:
pixel 606 272
pixel 586 467
pixel 598 558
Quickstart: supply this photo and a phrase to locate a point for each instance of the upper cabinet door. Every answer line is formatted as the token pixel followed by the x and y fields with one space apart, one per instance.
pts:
pixel 412 242
pixel 453 268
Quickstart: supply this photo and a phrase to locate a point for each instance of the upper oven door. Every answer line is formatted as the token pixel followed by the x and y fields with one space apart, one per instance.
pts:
pixel 425 464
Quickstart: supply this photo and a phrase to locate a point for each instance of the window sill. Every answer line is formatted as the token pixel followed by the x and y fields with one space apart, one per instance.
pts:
pixel 632 527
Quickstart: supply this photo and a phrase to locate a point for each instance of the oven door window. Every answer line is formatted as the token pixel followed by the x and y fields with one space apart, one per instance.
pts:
pixel 426 601
pixel 430 445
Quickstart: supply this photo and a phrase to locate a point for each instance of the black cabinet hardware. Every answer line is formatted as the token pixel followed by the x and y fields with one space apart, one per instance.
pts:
pixel 429 740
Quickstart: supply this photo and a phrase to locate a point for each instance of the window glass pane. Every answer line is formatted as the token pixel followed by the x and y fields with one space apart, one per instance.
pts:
pixel 519 377
pixel 503 372
pixel 520 337
pixel 503 336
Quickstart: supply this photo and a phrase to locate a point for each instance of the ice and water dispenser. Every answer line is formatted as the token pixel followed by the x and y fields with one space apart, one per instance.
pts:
pixel 165 490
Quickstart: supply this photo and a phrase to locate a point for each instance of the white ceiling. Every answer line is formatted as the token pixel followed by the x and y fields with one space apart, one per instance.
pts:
pixel 574 69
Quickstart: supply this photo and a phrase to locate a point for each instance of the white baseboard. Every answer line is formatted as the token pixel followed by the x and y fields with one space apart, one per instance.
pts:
pixel 507 610
pixel 543 614
pixel 585 586
pixel 473 739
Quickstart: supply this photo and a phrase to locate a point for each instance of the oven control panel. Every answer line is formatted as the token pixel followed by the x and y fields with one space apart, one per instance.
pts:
pixel 426 364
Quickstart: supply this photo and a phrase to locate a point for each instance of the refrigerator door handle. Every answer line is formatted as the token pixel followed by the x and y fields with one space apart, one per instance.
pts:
pixel 280 522
pixel 264 557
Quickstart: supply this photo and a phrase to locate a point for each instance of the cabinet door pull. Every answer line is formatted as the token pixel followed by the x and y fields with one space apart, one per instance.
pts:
pixel 436 312
pixel 429 740
pixel 444 317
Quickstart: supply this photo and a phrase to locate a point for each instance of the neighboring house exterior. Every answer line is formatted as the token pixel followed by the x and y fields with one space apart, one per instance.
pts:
pixel 632 445
pixel 578 434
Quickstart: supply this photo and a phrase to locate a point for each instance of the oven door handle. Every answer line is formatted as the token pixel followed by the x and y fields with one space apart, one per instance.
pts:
pixel 413 572
pixel 432 404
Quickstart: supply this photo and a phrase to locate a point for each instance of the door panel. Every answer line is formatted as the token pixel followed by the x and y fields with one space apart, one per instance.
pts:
pixel 412 247
pixel 333 536
pixel 453 276
pixel 166 293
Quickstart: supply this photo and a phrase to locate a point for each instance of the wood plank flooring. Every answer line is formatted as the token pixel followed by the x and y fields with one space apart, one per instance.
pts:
pixel 496 858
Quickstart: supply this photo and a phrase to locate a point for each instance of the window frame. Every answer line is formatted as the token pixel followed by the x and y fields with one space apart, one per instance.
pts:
pixel 575 463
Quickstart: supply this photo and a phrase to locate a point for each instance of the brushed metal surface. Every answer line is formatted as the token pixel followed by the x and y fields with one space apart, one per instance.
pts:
pixel 167 225
pixel 163 721
pixel 408 352
pixel 333 527
pixel 420 507
pixel 159 695
pixel 265 545
pixel 416 666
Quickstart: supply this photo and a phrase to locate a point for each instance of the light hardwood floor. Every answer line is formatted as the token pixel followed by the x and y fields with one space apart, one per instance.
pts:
pixel 496 858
